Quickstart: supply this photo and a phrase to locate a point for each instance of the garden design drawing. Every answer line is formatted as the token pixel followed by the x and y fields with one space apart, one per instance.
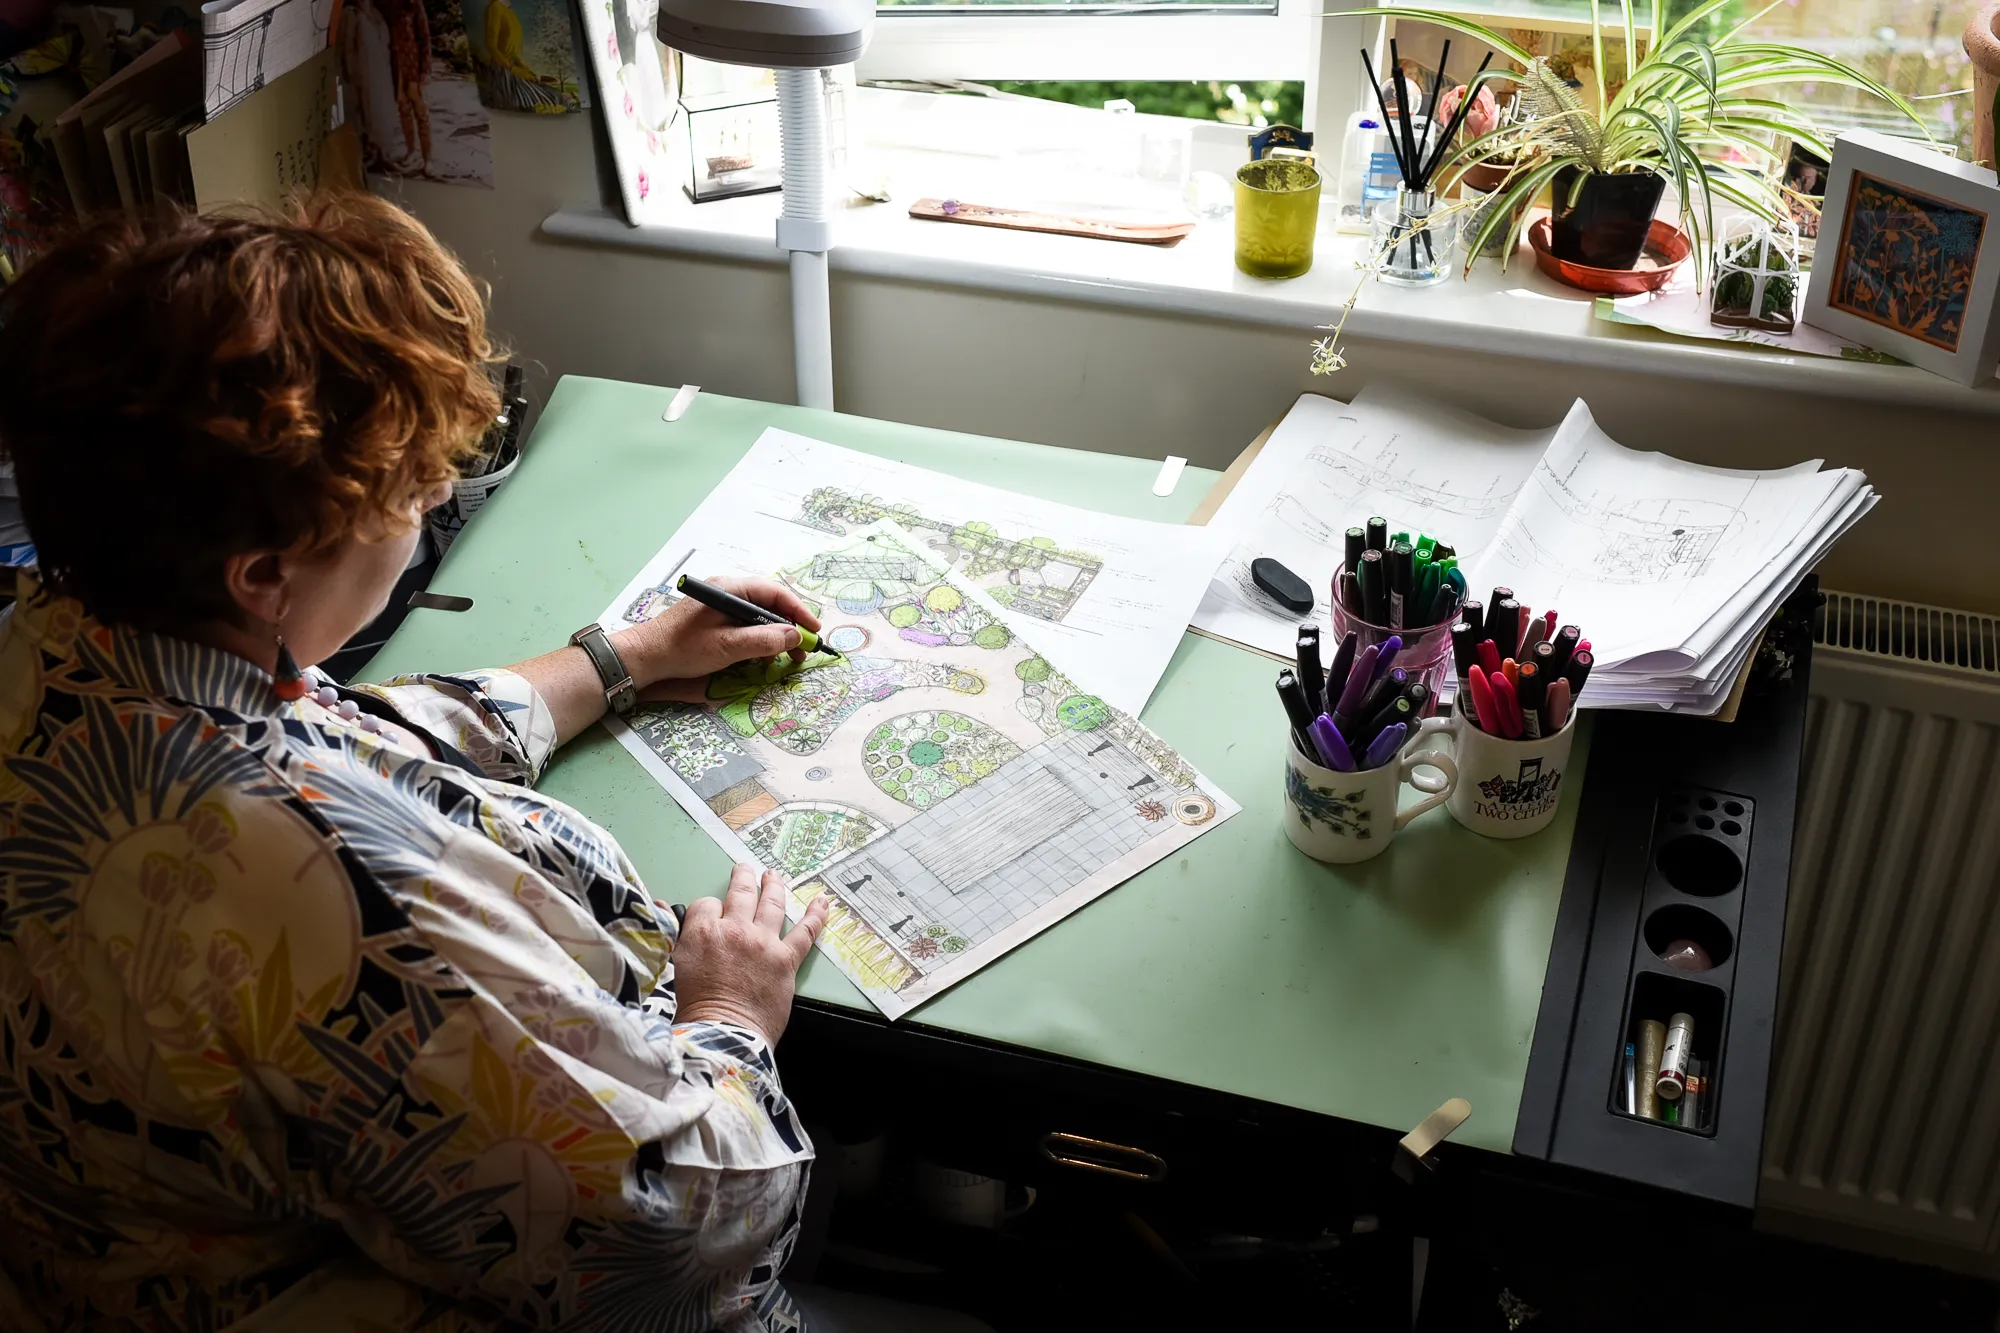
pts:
pixel 948 787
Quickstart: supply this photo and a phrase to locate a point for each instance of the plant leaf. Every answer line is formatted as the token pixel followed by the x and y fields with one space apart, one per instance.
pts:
pixel 1452 21
pixel 1597 55
pixel 1513 194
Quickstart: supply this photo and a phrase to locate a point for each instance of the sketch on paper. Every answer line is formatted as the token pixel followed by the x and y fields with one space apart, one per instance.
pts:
pixel 246 44
pixel 1329 466
pixel 1110 597
pixel 1636 540
pixel 1033 575
pixel 950 789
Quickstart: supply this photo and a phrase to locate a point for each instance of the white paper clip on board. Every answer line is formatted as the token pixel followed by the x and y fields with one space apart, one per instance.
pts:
pixel 1415 1146
pixel 1170 475
pixel 679 406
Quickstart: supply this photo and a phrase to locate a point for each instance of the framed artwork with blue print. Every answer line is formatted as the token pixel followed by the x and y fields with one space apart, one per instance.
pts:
pixel 1909 255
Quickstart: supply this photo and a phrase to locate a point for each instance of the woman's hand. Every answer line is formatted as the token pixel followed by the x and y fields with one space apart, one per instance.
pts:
pixel 733 963
pixel 672 655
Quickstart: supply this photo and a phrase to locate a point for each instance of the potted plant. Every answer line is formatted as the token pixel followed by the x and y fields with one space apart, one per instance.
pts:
pixel 1684 101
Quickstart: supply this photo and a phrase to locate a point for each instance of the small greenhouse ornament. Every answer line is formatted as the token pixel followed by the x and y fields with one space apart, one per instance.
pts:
pixel 1756 277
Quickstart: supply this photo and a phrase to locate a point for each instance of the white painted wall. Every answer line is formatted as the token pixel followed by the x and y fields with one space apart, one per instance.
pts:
pixel 1126 382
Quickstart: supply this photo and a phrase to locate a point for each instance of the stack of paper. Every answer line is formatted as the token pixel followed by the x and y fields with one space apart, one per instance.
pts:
pixel 139 142
pixel 1670 569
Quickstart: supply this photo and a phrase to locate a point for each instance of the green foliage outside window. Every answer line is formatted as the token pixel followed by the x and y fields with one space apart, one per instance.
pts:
pixel 1234 103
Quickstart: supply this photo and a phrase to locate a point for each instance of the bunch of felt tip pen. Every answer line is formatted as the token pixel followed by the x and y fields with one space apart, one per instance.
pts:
pixel 1518 675
pixel 1356 713
pixel 1393 581
pixel 501 444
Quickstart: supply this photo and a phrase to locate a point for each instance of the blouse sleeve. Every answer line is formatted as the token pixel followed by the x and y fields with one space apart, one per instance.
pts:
pixel 496 718
pixel 578 1163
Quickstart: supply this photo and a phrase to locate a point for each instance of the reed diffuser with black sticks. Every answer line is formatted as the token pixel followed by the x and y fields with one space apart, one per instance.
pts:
pixel 1418 153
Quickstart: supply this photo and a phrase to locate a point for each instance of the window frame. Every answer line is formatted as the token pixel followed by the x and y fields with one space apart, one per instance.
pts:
pixel 1165 43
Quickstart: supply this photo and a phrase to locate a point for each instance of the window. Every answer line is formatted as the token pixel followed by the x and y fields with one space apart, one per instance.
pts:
pixel 1254 104
pixel 1911 47
pixel 1174 51
pixel 1240 41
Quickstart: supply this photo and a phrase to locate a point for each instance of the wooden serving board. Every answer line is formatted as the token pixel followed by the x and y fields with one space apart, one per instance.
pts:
pixel 1014 219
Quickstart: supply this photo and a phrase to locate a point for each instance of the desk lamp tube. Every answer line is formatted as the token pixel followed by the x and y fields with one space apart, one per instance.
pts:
pixel 805 229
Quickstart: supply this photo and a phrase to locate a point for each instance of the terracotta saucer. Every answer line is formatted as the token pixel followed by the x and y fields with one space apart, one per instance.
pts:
pixel 1666 250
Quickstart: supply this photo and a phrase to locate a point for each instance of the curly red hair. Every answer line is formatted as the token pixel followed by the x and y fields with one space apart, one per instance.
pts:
pixel 178 390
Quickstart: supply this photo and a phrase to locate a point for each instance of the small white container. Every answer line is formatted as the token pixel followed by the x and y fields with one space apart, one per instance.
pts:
pixel 1368 170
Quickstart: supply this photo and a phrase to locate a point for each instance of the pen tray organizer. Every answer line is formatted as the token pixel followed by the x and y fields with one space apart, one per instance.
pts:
pixel 1693 892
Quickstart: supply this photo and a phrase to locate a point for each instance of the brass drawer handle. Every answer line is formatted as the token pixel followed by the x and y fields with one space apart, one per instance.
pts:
pixel 1106 1159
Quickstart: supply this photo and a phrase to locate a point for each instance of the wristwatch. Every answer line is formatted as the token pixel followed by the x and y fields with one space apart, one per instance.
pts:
pixel 620 694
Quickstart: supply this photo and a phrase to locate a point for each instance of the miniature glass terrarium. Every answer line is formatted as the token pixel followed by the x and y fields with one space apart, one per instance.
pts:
pixel 732 127
pixel 1756 277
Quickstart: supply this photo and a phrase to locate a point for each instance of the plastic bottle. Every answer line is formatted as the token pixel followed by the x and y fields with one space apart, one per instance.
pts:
pixel 1368 170
pixel 1361 181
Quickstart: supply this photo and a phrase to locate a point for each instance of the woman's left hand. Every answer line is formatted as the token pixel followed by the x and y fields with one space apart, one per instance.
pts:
pixel 672 655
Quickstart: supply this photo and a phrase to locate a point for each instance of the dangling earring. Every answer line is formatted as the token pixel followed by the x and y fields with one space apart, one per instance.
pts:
pixel 289 683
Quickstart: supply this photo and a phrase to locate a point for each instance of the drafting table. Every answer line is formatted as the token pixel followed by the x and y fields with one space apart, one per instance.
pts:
pixel 1237 970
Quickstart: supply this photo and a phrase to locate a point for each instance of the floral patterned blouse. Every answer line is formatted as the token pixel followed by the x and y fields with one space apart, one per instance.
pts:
pixel 302 1026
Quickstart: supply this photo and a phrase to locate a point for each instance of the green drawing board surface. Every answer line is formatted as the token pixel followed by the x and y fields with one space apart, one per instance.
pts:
pixel 1370 992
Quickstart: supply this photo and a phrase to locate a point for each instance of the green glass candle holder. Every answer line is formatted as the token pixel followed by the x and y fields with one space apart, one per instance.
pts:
pixel 1277 212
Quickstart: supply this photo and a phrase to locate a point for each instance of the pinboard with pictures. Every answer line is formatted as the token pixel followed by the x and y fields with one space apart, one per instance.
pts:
pixel 1908 260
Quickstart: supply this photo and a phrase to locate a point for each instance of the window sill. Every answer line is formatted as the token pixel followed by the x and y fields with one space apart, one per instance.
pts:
pixel 1518 313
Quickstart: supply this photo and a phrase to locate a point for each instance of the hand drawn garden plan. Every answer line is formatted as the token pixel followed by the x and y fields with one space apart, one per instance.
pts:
pixel 945 784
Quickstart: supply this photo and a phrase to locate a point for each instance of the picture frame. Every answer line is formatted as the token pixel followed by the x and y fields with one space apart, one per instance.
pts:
pixel 636 83
pixel 1908 259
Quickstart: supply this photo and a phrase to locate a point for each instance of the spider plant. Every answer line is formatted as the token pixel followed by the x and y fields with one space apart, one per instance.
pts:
pixel 1685 103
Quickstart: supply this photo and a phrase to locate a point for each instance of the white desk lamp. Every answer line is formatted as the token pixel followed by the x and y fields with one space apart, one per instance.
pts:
pixel 797 38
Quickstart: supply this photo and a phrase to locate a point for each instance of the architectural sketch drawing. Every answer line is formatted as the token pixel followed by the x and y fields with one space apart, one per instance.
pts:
pixel 951 789
pixel 1330 466
pixel 1648 540
pixel 1109 596
pixel 249 43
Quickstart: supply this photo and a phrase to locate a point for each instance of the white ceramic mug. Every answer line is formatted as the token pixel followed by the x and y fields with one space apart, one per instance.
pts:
pixel 1344 817
pixel 1508 789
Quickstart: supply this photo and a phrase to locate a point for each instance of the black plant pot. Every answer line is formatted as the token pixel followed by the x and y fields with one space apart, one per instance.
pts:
pixel 1606 226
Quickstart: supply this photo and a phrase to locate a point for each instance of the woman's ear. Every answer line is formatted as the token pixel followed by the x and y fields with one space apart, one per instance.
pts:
pixel 259 582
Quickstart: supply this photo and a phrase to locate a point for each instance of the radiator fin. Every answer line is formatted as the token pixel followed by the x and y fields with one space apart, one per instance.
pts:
pixel 1884 1111
pixel 1911 631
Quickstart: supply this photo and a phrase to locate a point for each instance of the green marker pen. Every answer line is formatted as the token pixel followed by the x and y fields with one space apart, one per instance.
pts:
pixel 746 612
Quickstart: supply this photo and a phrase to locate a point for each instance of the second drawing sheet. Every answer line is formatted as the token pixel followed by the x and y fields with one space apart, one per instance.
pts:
pixel 1109 596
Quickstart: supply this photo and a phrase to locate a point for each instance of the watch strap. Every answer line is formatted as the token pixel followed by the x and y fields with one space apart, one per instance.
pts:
pixel 620 694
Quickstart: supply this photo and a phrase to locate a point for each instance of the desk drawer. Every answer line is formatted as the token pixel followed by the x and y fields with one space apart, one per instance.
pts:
pixel 1080 1130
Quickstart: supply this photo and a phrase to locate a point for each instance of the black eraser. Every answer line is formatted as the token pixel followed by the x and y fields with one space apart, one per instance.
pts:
pixel 1282 586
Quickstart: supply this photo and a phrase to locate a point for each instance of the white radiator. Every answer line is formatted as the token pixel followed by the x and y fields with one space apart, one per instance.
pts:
pixel 1883 1128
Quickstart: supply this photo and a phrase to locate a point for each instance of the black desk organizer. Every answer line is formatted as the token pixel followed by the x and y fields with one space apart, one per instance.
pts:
pixel 1684 831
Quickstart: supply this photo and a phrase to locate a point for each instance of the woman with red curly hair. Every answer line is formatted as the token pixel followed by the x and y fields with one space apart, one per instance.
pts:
pixel 312 1012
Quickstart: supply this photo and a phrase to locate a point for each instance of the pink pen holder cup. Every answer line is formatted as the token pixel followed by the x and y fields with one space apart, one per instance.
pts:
pixel 1426 652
